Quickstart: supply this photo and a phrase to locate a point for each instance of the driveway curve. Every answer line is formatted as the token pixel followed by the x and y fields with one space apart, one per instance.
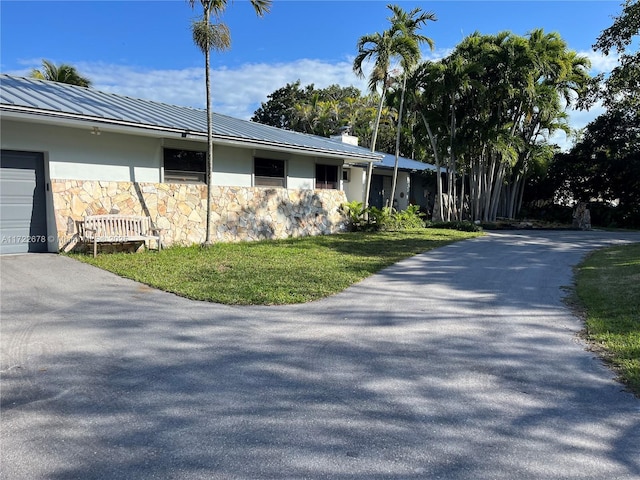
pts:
pixel 459 363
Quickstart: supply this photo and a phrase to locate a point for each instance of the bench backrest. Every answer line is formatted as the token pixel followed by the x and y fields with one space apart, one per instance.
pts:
pixel 115 225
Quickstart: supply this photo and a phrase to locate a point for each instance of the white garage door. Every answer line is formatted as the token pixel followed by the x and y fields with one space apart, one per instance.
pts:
pixel 23 220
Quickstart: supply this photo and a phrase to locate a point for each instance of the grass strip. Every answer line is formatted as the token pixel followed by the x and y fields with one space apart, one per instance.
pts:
pixel 608 289
pixel 272 272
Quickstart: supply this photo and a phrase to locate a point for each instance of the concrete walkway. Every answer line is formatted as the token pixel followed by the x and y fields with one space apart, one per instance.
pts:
pixel 461 363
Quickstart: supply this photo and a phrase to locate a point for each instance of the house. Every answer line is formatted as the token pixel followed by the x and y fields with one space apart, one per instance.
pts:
pixel 70 151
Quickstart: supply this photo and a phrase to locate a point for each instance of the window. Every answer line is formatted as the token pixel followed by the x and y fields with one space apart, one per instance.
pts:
pixel 184 166
pixel 268 173
pixel 327 176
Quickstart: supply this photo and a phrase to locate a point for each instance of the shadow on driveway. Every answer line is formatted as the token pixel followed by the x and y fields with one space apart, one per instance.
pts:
pixel 459 363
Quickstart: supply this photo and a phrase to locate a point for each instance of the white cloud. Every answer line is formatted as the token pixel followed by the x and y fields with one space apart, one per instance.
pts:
pixel 237 92
pixel 601 63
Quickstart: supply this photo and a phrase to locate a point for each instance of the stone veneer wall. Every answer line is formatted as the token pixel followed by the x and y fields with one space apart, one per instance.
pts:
pixel 238 213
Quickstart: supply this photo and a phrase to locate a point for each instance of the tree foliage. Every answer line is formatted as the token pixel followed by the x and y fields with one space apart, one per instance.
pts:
pixel 489 108
pixel 484 113
pixel 323 111
pixel 280 108
pixel 603 168
pixel 400 43
pixel 62 73
pixel 409 23
pixel 622 87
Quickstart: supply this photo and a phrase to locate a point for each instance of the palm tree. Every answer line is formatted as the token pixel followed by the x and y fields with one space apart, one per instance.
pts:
pixel 214 36
pixel 385 48
pixel 62 73
pixel 408 23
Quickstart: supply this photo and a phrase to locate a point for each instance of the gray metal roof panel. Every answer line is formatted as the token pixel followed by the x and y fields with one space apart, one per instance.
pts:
pixel 407 164
pixel 389 160
pixel 58 98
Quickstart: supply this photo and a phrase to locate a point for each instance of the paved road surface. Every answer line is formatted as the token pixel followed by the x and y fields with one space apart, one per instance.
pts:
pixel 461 363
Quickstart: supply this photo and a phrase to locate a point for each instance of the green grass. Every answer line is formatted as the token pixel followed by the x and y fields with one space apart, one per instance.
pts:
pixel 272 272
pixel 608 289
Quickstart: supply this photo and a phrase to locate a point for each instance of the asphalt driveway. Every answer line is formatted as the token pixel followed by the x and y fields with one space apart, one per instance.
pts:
pixel 459 363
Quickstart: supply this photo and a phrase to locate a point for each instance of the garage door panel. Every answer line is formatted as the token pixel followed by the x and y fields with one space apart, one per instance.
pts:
pixel 23 225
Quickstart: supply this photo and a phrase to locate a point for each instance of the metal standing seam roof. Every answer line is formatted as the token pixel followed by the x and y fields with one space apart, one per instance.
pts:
pixel 404 163
pixel 40 97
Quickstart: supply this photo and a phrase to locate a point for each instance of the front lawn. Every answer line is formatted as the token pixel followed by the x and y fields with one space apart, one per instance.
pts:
pixel 273 272
pixel 608 289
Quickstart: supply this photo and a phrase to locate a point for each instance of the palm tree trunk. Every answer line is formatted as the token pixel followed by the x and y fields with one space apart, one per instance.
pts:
pixel 451 168
pixel 374 138
pixel 395 165
pixel 520 197
pixel 434 146
pixel 497 190
pixel 489 175
pixel 461 197
pixel 207 61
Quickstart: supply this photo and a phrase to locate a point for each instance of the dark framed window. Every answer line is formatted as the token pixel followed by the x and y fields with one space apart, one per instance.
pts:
pixel 184 166
pixel 327 176
pixel 269 173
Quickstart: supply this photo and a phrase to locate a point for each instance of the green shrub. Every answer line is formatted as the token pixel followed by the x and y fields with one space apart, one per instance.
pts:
pixel 463 226
pixel 407 219
pixel 355 212
pixel 379 218
pixel 375 219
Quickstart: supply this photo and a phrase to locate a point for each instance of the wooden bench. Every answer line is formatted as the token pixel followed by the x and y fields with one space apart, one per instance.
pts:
pixel 118 229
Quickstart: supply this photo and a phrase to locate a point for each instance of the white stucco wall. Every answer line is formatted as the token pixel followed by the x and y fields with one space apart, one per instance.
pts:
pixel 301 173
pixel 75 153
pixel 232 167
pixel 354 189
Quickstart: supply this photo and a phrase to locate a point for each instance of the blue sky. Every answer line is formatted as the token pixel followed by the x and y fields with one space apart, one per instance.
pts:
pixel 144 48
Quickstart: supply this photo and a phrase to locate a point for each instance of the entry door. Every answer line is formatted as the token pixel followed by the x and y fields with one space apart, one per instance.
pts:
pixel 23 214
pixel 376 191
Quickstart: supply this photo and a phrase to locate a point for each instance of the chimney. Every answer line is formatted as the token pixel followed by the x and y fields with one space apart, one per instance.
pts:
pixel 344 136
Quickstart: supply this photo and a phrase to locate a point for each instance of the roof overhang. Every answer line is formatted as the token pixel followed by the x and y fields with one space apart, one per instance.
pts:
pixel 427 168
pixel 73 120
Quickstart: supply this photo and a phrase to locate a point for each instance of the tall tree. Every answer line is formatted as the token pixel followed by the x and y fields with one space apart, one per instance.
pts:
pixel 278 110
pixel 409 24
pixel 604 166
pixel 384 49
pixel 317 111
pixel 602 169
pixel 62 73
pixel 491 105
pixel 622 88
pixel 210 36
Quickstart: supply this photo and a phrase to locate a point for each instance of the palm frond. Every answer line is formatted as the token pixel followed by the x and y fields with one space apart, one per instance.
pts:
pixel 211 36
